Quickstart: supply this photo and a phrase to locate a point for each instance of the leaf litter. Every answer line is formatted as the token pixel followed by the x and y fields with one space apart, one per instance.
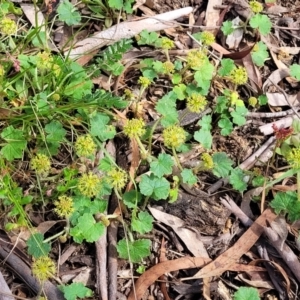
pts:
pixel 236 259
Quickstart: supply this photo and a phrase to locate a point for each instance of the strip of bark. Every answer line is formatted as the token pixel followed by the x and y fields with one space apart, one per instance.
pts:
pixel 24 273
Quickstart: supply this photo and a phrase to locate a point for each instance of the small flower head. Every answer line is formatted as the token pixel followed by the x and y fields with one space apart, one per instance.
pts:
pixel 43 268
pixel 2 71
pixel 129 95
pixel 64 206
pixel 55 97
pixel 85 146
pixel 7 26
pixel 174 136
pixel 234 98
pixel 196 103
pixel 168 67
pixel 196 58
pixel 41 164
pixel 134 128
pixel 239 75
pixel 293 158
pixel 256 7
pixel 56 69
pixel 45 62
pixel 89 184
pixel 144 81
pixel 207 160
pixel 166 43
pixel 207 38
pixel 252 101
pixel 117 178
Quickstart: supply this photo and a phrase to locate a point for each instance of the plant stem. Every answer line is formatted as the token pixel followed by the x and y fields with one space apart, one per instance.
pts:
pixel 145 203
pixel 54 236
pixel 176 158
pixel 298 185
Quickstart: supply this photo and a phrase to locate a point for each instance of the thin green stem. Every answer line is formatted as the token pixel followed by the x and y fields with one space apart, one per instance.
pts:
pixel 145 203
pixel 176 159
pixel 54 236
pixel 151 135
pixel 298 185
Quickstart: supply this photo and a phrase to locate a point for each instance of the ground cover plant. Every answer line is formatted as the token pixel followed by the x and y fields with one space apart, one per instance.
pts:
pixel 94 145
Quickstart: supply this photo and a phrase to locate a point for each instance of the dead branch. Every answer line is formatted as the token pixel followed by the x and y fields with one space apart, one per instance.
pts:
pixel 24 273
pixel 126 30
pixel 5 293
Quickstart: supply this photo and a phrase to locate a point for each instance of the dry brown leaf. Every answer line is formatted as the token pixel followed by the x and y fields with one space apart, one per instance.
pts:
pixel 134 162
pixel 223 262
pixel 277 9
pixel 267 284
pixel 45 226
pixel 190 238
pixel 212 15
pixel 285 188
pixel 279 268
pixel 253 73
pixel 278 99
pixel 219 48
pixel 156 271
pixel 276 77
pixel 239 54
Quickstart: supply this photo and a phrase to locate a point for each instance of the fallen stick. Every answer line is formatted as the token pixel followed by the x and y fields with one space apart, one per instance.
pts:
pixel 126 30
pixel 23 271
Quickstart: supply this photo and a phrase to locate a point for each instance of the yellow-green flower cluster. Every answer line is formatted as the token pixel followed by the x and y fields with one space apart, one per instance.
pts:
pixel 2 71
pixel 196 58
pixel 89 184
pixel 168 67
pixel 64 206
pixel 207 160
pixel 134 128
pixel 256 6
pixel 43 268
pixel 252 101
pixel 293 158
pixel 117 178
pixel 166 43
pixel 234 98
pixel 207 38
pixel 85 146
pixel 44 62
pixel 174 136
pixel 144 81
pixel 41 164
pixel 239 75
pixel 7 26
pixel 196 103
pixel 129 95
pixel 55 97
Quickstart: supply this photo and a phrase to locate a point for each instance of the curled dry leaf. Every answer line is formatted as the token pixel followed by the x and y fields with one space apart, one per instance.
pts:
pixel 190 238
pixel 155 272
pixel 223 262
